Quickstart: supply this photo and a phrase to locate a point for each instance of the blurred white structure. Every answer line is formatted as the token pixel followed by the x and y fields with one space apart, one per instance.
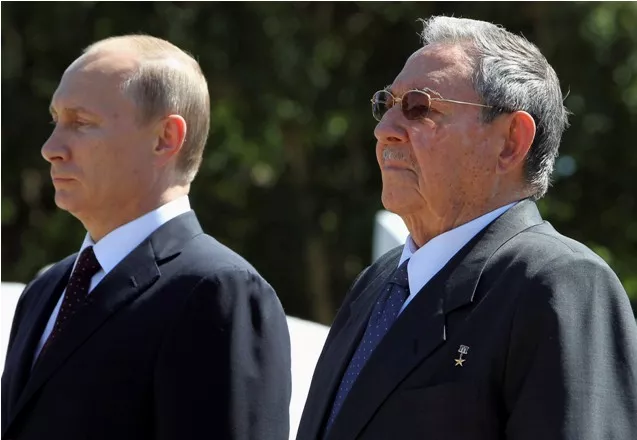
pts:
pixel 307 340
pixel 9 295
pixel 389 231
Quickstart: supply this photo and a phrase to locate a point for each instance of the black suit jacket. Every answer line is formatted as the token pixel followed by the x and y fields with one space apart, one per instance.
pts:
pixel 551 347
pixel 182 340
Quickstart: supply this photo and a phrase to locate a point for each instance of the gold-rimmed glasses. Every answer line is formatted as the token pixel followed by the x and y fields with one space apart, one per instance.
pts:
pixel 415 103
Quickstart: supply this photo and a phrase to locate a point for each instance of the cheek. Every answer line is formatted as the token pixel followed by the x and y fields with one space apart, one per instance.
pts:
pixel 448 158
pixel 108 162
pixel 431 154
pixel 477 153
pixel 88 154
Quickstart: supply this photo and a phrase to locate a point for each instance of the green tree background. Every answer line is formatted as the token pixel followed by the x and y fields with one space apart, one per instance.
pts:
pixel 289 178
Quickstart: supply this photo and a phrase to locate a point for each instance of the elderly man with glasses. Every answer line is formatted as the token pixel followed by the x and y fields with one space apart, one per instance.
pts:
pixel 487 323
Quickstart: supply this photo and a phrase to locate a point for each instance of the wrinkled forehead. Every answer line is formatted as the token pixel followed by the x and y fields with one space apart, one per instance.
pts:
pixel 444 68
pixel 96 78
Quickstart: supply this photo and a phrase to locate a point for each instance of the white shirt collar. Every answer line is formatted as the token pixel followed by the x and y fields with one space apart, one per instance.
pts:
pixel 426 262
pixel 117 244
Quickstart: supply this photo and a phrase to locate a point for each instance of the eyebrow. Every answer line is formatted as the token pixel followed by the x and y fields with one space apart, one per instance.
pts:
pixel 424 89
pixel 75 109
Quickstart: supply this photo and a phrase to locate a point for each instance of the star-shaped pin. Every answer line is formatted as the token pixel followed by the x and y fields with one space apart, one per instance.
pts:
pixel 459 362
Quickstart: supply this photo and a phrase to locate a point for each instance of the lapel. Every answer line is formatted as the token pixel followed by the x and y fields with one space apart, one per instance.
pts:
pixel 138 271
pixel 46 292
pixel 333 361
pixel 421 328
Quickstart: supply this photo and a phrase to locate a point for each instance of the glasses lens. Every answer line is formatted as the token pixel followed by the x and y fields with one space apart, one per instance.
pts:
pixel 415 105
pixel 381 102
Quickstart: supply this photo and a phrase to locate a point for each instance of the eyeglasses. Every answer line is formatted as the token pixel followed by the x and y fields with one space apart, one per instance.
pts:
pixel 415 104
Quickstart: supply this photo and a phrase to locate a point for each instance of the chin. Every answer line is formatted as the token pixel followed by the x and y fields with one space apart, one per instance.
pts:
pixel 401 201
pixel 67 202
pixel 393 202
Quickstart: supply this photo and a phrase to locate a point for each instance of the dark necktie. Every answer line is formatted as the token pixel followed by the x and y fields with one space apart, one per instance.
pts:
pixel 383 316
pixel 76 292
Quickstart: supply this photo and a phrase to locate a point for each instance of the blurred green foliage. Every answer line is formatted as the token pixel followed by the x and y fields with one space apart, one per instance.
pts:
pixel 289 178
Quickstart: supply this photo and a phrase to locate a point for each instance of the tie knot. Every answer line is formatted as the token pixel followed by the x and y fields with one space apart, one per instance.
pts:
pixel 400 276
pixel 87 264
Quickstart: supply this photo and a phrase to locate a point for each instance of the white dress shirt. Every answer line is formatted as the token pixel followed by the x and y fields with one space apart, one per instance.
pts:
pixel 116 245
pixel 426 262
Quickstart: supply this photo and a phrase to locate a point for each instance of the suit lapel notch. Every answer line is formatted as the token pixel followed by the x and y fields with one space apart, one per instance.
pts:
pixel 460 288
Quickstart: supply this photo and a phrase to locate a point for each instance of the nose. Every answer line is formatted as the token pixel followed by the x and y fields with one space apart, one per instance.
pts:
pixel 390 130
pixel 54 149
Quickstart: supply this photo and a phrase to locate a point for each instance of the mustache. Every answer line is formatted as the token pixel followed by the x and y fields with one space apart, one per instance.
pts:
pixel 400 155
pixel 396 154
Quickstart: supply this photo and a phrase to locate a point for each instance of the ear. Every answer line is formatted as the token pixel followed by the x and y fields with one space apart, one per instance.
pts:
pixel 519 135
pixel 171 136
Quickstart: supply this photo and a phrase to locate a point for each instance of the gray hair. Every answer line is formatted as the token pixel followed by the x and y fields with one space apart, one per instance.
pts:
pixel 510 74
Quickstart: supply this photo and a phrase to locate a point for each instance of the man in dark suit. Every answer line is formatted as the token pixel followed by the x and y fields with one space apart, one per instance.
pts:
pixel 154 330
pixel 487 324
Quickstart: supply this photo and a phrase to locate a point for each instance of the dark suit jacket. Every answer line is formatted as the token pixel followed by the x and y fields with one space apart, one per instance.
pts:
pixel 551 347
pixel 182 340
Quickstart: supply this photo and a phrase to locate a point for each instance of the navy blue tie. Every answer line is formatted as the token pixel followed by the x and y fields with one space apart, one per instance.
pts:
pixel 385 312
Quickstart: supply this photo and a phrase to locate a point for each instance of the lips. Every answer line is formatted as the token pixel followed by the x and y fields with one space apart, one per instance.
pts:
pixel 60 179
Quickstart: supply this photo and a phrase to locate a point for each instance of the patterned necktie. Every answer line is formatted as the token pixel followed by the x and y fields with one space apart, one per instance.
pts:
pixel 383 316
pixel 76 292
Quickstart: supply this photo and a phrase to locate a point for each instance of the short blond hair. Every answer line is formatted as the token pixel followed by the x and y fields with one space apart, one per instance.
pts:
pixel 168 81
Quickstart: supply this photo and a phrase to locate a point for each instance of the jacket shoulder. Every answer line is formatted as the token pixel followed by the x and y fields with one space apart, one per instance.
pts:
pixel 542 249
pixel 557 274
pixel 205 255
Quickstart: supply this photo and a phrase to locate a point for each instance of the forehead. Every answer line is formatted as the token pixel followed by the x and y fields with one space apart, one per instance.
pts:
pixel 93 82
pixel 444 68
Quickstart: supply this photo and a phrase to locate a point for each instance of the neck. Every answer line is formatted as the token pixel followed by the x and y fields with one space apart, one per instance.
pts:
pixel 428 223
pixel 104 222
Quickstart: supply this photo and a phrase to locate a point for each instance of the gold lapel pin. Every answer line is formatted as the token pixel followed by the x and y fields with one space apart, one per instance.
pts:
pixel 463 350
